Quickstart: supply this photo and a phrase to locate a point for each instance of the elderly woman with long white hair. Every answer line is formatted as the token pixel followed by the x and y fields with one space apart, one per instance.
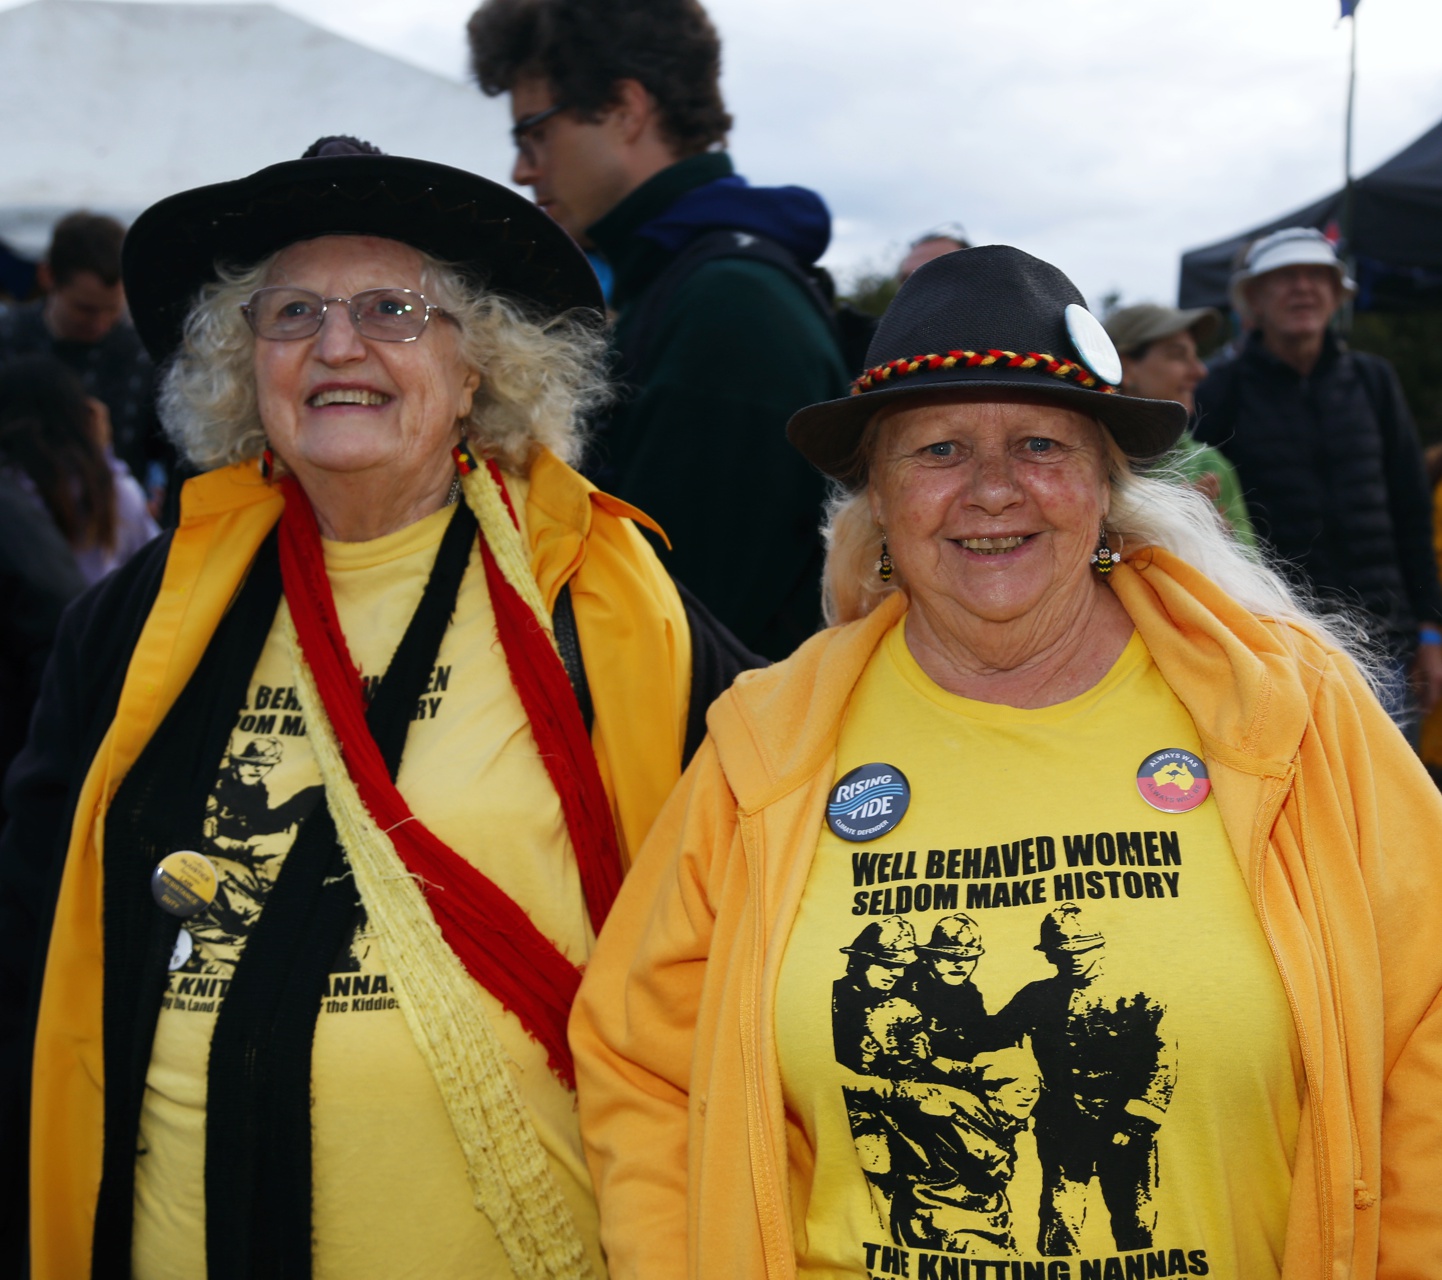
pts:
pixel 328 796
pixel 1200 869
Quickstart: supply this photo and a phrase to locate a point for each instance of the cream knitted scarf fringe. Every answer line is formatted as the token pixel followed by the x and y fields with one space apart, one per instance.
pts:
pixel 511 1179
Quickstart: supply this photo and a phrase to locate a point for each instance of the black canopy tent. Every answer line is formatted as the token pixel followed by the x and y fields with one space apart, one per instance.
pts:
pixel 1395 239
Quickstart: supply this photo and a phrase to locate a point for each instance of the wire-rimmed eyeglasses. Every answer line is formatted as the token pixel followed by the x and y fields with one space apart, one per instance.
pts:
pixel 283 313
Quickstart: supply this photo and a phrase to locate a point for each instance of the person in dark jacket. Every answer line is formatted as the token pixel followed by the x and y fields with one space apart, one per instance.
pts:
pixel 38 578
pixel 720 332
pixel 1328 457
pixel 82 322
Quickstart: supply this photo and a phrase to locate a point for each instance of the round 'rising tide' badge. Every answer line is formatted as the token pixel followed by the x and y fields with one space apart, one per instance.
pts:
pixel 869 801
pixel 1174 781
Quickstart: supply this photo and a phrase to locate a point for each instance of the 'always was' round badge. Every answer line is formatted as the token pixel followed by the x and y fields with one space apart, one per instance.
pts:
pixel 868 802
pixel 1174 781
pixel 184 883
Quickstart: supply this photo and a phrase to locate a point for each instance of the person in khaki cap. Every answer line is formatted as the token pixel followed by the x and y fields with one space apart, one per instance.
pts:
pixel 1158 346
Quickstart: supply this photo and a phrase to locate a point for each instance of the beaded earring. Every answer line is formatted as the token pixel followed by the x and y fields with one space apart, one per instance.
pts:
pixel 1103 558
pixel 465 459
pixel 267 464
pixel 883 566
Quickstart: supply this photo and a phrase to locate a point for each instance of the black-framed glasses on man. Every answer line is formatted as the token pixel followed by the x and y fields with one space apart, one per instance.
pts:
pixel 521 131
pixel 282 313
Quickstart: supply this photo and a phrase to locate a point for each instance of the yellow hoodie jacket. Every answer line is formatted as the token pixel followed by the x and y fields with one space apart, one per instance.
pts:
pixel 638 663
pixel 1334 822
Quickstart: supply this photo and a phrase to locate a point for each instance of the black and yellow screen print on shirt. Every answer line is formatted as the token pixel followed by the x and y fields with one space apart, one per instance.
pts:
pixel 1032 1029
pixel 391 1193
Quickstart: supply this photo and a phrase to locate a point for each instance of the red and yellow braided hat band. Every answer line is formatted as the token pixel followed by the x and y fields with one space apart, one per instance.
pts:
pixel 1067 370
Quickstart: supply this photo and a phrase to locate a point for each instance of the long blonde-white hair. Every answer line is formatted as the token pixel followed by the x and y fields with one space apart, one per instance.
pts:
pixel 539 377
pixel 1156 509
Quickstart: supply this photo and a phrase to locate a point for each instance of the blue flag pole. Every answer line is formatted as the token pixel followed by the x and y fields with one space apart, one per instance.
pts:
pixel 1349 10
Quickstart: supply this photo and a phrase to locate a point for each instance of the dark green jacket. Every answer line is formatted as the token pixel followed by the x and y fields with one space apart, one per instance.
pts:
pixel 699 442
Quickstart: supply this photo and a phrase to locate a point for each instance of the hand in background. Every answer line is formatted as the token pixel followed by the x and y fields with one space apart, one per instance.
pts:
pixel 1427 676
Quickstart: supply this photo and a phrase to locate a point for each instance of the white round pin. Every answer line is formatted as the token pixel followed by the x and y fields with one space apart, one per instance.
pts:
pixel 1093 344
pixel 180 953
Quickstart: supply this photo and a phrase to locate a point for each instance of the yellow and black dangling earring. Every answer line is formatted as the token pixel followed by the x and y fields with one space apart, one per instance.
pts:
pixel 267 464
pixel 883 566
pixel 1103 559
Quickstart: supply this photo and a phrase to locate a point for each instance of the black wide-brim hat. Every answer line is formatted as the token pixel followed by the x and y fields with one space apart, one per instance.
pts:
pixel 497 237
pixel 986 320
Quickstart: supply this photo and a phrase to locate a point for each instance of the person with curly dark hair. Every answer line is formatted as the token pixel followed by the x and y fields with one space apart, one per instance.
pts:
pixel 722 329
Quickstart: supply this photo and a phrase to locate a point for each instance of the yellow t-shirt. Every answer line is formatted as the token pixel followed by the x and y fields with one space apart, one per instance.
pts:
pixel 1036 1019
pixel 391 1196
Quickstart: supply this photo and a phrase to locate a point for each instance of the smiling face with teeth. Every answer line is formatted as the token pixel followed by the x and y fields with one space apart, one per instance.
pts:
pixel 361 421
pixel 991 511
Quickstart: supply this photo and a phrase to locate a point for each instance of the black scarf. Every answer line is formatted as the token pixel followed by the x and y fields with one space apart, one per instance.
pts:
pixel 258 1116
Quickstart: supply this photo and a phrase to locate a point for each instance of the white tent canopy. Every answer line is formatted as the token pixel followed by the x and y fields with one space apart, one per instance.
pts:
pixel 110 106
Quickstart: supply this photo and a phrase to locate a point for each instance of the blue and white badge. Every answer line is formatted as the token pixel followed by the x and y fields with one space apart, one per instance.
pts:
pixel 868 802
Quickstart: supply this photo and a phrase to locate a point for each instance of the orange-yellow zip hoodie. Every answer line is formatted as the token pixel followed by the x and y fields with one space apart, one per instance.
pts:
pixel 639 673
pixel 1334 822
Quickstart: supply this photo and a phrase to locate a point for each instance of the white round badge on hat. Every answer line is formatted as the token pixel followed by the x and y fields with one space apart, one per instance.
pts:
pixel 869 801
pixel 1093 344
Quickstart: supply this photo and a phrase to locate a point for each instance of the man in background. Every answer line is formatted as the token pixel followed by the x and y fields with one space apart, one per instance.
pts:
pixel 81 320
pixel 947 238
pixel 721 332
pixel 1329 460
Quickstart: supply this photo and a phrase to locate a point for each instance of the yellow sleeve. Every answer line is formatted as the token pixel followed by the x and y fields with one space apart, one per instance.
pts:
pixel 634 1025
pixel 1391 815
pixel 636 646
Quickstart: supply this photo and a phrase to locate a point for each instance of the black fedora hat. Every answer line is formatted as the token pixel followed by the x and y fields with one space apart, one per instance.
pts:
pixel 493 234
pixel 992 318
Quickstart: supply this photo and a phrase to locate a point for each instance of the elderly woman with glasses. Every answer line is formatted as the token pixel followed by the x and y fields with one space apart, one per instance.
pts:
pixel 1200 872
pixel 346 773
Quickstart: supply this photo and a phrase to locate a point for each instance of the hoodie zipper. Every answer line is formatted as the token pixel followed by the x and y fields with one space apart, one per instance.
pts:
pixel 763 1175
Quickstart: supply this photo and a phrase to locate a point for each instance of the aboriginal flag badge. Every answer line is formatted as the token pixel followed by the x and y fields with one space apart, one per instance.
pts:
pixel 1174 781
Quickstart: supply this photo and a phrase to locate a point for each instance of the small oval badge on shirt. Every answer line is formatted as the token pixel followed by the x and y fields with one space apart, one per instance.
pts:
pixel 184 947
pixel 1174 781
pixel 869 801
pixel 184 883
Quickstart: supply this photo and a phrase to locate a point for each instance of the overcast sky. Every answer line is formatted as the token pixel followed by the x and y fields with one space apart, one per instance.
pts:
pixel 1104 135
